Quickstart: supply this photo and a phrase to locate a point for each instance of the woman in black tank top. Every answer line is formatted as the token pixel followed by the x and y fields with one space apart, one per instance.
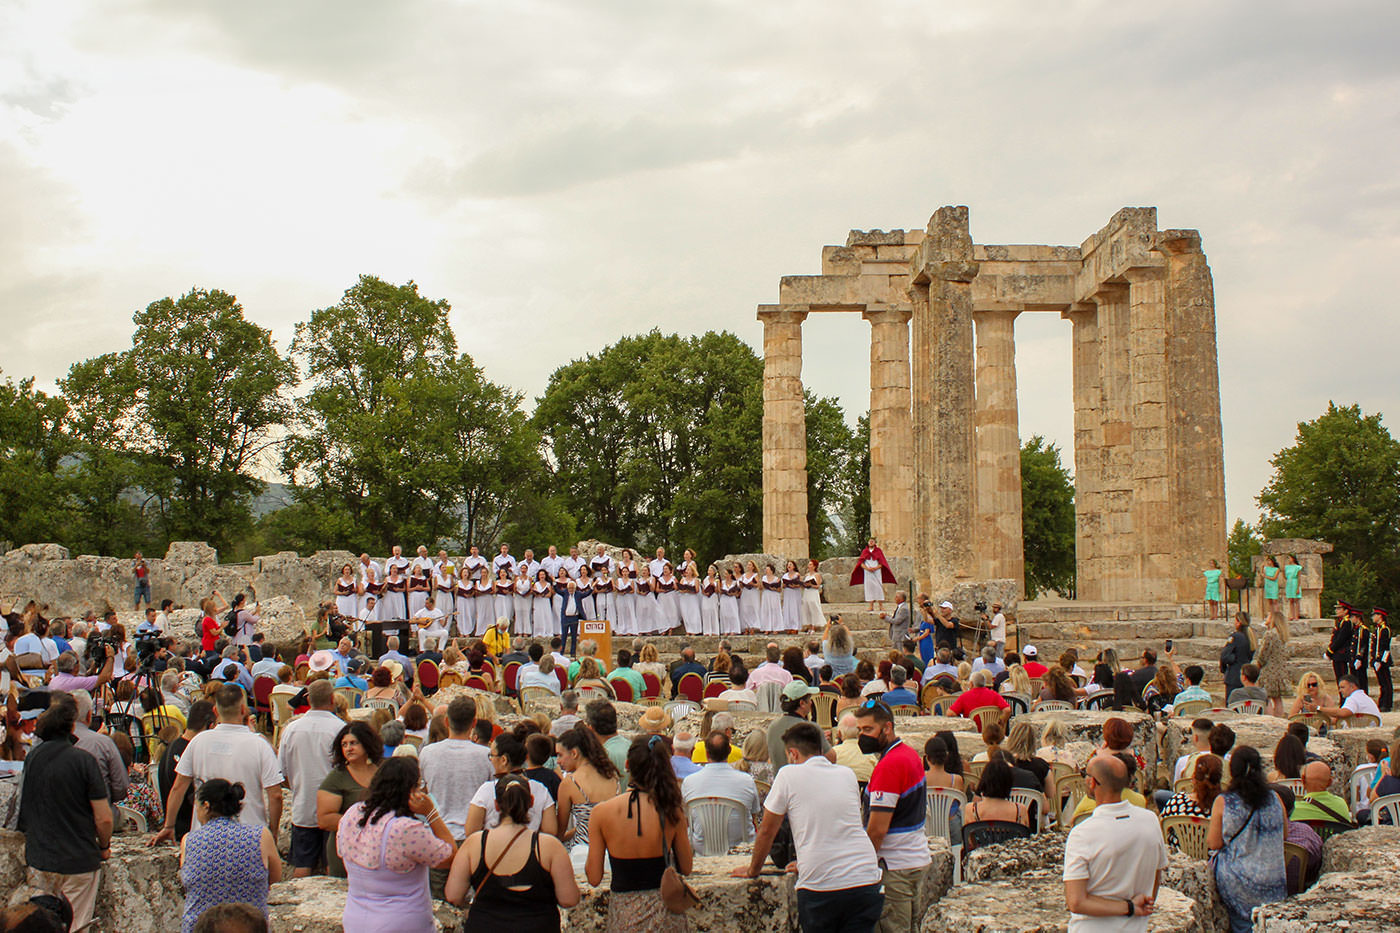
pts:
pixel 527 899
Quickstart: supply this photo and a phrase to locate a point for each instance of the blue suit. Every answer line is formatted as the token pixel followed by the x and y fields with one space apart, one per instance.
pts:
pixel 568 624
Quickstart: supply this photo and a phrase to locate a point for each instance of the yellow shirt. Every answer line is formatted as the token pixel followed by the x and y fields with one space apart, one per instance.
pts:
pixel 850 755
pixel 1087 804
pixel 497 641
pixel 700 758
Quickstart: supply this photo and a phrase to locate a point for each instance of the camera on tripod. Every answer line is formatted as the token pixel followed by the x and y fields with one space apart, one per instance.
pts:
pixel 979 606
pixel 147 644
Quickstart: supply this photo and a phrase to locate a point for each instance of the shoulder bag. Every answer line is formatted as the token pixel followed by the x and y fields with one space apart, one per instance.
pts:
pixel 676 894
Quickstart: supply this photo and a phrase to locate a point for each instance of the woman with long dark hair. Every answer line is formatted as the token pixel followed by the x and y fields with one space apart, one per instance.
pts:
pixel 1247 827
pixel 636 832
pixel 589 779
pixel 520 884
pixel 225 860
pixel 388 851
pixel 355 756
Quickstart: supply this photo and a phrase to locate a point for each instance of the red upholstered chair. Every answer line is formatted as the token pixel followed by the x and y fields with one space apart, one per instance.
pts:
pixel 509 676
pixel 715 688
pixel 262 696
pixel 563 676
pixel 477 682
pixel 621 689
pixel 427 676
pixel 691 686
pixel 653 690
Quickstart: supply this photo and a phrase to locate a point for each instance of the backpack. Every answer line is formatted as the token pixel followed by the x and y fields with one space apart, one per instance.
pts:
pixel 231 623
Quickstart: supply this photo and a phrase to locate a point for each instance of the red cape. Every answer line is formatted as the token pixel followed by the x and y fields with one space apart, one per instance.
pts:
pixel 858 572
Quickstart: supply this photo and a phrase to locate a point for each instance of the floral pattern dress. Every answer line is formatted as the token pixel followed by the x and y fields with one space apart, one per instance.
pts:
pixel 1249 869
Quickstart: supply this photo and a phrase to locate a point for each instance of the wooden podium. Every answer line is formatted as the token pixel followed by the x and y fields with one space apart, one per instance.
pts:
pixel 600 631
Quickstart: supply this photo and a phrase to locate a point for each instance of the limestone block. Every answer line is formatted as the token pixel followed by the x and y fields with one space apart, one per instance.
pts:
pixel 1015 857
pixel 1194 879
pixel 12 869
pixel 191 552
pixel 317 905
pixel 141 890
pixel 33 553
pixel 1087 726
pixel 836 578
pixel 964 596
pixel 1299 546
pixel 1370 848
pixel 283 624
pixel 1035 901
pixel 1367 902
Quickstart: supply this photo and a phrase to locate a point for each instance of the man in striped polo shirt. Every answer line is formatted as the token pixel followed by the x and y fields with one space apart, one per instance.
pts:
pixel 895 825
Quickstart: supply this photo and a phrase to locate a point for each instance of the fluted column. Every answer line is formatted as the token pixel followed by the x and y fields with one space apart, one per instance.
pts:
pixel 1088 443
pixel 784 433
pixel 891 432
pixel 998 450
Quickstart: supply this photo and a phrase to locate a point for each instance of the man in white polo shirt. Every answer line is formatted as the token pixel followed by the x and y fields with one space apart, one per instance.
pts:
pixel 1355 701
pixel 1114 859
pixel 838 876
pixel 235 753
pixel 305 755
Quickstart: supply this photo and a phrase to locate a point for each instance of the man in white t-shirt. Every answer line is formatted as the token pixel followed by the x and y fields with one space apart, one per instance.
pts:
pixel 1355 701
pixel 235 753
pixel 508 756
pixel 838 876
pixel 304 755
pixel 432 630
pixel 1113 859
pixel 997 635
pixel 456 768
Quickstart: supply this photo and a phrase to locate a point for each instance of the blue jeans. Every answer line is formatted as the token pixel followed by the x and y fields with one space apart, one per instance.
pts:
pixel 143 588
pixel 850 910
pixel 569 627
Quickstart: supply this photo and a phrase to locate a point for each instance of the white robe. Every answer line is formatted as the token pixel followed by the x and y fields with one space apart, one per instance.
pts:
pixel 873 582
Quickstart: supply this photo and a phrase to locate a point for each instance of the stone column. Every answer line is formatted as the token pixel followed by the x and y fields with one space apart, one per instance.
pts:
pixel 998 450
pixel 941 275
pixel 784 433
pixel 891 432
pixel 1088 441
pixel 1152 518
pixel 1120 563
pixel 1196 451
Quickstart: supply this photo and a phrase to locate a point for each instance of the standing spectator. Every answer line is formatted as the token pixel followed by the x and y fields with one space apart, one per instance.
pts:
pixel 1273 662
pixel 101 748
pixel 355 757
pixel 602 719
pixel 304 756
pixel 1114 859
pixel 838 875
pixel 388 850
pixel 456 768
pixel 899 619
pixel 718 778
pixel 1247 826
pixel 201 718
pixel 225 861
pixel 234 752
pixel 838 647
pixel 898 802
pixel 508 757
pixel 589 778
pixel 1238 651
pixel 142 572
pixel 68 827
pixel 635 834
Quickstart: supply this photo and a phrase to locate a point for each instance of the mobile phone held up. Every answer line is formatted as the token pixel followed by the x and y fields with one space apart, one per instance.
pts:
pixel 1169 644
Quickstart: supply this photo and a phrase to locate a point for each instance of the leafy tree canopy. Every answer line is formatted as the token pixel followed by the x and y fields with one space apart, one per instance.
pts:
pixel 1047 519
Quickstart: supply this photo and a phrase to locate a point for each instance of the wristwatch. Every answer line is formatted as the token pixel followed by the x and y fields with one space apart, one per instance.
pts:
pixel 1132 909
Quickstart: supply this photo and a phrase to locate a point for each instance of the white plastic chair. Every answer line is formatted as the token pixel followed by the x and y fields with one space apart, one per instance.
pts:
pixel 1390 803
pixel 1361 786
pixel 678 709
pixel 770 696
pixel 938 816
pixel 1025 796
pixel 1248 706
pixel 710 817
pixel 132 820
pixel 381 703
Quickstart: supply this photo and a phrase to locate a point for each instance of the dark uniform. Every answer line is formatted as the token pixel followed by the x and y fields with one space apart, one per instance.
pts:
pixel 1339 647
pixel 1361 651
pixel 1380 657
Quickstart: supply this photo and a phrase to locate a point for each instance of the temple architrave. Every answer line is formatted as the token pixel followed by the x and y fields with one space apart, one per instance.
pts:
pixel 945 467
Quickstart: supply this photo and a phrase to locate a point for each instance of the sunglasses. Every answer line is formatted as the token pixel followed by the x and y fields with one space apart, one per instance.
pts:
pixel 874 703
pixel 1314 684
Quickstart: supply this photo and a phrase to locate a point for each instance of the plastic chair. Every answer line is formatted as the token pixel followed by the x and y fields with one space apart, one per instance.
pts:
pixel 1388 804
pixel 770 695
pixel 1070 789
pixel 978 715
pixel 677 709
pixel 691 686
pixel 1293 784
pixel 382 703
pixel 904 710
pixel 1028 797
pixel 825 705
pixel 281 714
pixel 1360 721
pixel 1295 867
pixel 1189 833
pixel 1098 699
pixel 534 694
pixel 1360 785
pixel 1186 707
pixel 622 690
pixel 1326 829
pixel 1248 706
pixel 990 832
pixel 428 676
pixel 711 816
pixel 1313 720
pixel 972 773
pixel 1043 706
pixel 132 820
pixel 352 695
pixel 746 705
pixel 1019 703
pixel 938 818
pixel 1183 785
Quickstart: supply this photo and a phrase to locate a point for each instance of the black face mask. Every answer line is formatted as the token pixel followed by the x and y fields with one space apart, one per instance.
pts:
pixel 870 745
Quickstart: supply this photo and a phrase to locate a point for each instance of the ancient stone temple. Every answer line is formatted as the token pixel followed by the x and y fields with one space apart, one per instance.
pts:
pixel 945 468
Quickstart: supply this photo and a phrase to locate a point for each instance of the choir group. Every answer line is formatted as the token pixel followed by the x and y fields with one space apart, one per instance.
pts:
pixel 534 596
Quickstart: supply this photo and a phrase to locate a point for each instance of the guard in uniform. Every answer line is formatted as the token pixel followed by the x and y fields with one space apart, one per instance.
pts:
pixel 1339 646
pixel 1360 649
pixel 1380 657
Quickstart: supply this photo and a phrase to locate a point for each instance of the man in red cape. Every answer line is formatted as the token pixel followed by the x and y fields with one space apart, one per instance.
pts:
pixel 871 577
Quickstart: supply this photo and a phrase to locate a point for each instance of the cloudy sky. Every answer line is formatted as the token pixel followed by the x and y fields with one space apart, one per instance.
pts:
pixel 566 171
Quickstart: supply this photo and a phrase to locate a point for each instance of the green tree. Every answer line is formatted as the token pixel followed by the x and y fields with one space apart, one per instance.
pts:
pixel 856 517
pixel 1243 544
pixel 400 438
pixel 1340 481
pixel 32 448
pixel 1047 519
pixel 831 475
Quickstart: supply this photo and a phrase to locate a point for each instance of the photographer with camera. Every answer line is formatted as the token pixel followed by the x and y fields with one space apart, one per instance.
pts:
pixel 67 677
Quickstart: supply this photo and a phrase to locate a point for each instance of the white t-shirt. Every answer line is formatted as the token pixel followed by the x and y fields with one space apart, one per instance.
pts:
pixel 454 770
pixel 999 627
pixel 45 648
pixel 533 678
pixel 539 802
pixel 232 752
pixel 1360 702
pixel 435 626
pixel 1118 850
pixel 304 756
pixel 822 804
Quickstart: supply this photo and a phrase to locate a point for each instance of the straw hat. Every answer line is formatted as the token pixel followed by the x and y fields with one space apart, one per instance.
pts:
pixel 655 720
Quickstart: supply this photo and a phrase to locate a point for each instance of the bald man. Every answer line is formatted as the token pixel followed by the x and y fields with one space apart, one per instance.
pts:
pixel 1317 802
pixel 1115 857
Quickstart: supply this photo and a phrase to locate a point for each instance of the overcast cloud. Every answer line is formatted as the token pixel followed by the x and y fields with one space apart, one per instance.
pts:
pixel 568 172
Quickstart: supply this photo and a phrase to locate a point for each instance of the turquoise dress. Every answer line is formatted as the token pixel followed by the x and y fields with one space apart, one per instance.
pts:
pixel 1249 870
pixel 223 864
pixel 1271 583
pixel 1213 586
pixel 1291 587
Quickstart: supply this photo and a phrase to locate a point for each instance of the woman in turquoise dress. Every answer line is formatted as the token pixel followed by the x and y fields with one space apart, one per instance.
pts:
pixel 1292 585
pixel 1215 599
pixel 225 861
pixel 1247 827
pixel 1270 577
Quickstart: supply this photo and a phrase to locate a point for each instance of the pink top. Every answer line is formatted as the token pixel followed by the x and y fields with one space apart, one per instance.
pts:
pixel 410 842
